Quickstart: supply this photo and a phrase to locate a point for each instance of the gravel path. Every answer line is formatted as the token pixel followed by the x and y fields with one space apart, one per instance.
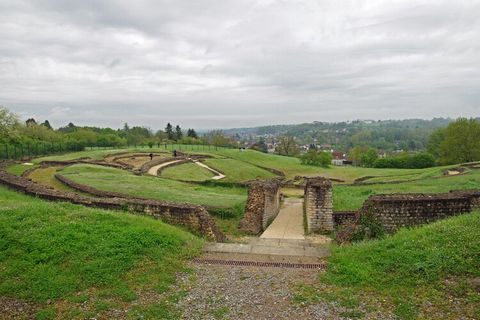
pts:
pixel 226 292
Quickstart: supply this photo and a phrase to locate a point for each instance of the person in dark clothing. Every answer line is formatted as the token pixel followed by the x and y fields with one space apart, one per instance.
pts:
pixel 175 153
pixel 151 156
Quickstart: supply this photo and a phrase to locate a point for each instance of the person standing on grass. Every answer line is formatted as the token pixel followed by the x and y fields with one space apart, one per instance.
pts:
pixel 174 153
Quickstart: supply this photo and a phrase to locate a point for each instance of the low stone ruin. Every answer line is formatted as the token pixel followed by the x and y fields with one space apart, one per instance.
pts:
pixel 318 205
pixel 194 217
pixel 263 205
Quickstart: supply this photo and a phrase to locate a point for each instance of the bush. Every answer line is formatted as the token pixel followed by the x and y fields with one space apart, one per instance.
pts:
pixel 416 161
pixel 316 158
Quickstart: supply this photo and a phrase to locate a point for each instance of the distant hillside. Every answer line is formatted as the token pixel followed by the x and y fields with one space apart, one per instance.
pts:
pixel 409 134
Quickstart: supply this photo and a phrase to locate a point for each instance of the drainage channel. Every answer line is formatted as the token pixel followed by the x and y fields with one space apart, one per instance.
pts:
pixel 317 266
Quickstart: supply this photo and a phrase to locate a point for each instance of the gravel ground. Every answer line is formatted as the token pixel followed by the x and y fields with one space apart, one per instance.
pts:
pixel 227 292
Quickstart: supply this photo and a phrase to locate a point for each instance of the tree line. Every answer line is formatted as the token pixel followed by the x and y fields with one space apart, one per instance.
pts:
pixel 73 137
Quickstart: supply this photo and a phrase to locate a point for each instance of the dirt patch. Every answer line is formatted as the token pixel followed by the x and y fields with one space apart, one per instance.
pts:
pixel 11 308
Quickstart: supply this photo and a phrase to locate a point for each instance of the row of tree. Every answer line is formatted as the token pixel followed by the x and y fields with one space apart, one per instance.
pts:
pixel 14 132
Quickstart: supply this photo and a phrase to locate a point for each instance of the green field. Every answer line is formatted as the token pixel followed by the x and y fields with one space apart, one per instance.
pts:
pixel 69 261
pixel 111 179
pixel 423 272
pixel 352 197
pixel 249 161
pixel 18 169
pixel 187 172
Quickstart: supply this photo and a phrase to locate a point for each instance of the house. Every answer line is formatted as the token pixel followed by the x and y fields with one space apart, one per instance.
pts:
pixel 338 158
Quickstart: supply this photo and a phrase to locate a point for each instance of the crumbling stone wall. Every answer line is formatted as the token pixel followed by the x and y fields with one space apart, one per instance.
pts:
pixel 318 205
pixel 263 205
pixel 194 217
pixel 403 210
pixel 341 218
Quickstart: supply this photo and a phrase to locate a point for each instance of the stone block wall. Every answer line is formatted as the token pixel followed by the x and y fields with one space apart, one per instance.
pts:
pixel 318 205
pixel 263 205
pixel 194 217
pixel 341 218
pixel 404 210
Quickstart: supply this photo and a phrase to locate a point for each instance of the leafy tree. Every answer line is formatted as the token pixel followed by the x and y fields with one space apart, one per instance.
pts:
pixel 286 146
pixel 9 124
pixel 260 146
pixel 30 122
pixel 169 132
pixel 47 125
pixel 316 158
pixel 368 158
pixel 218 138
pixel 458 142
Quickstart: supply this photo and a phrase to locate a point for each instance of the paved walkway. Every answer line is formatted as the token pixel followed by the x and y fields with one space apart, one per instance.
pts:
pixel 154 170
pixel 284 237
pixel 218 175
pixel 289 222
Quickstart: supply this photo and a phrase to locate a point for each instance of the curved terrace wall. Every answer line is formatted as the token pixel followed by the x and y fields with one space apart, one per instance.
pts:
pixel 194 217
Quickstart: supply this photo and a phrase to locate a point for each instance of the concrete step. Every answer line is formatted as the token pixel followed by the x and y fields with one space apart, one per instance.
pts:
pixel 266 249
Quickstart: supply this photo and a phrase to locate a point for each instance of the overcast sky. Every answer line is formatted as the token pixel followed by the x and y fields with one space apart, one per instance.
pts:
pixel 221 64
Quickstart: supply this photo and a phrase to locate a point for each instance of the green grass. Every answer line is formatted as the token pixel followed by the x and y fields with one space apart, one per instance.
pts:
pixel 238 171
pixel 46 176
pixel 187 172
pixel 352 197
pixel 67 254
pixel 111 179
pixel 18 169
pixel 410 267
pixel 246 164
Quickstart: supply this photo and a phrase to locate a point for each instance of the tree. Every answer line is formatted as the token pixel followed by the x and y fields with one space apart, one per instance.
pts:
pixel 9 124
pixel 368 158
pixel 218 138
pixel 316 158
pixel 169 132
pixel 191 133
pixel 178 133
pixel 458 142
pixel 260 146
pixel 30 122
pixel 47 125
pixel 286 146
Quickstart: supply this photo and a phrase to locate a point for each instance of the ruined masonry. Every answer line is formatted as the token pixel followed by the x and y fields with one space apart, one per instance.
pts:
pixel 318 205
pixel 263 205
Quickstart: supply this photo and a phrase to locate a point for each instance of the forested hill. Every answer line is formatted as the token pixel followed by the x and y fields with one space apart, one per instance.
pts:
pixel 409 134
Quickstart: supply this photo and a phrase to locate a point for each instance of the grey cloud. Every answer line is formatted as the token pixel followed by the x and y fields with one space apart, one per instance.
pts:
pixel 238 63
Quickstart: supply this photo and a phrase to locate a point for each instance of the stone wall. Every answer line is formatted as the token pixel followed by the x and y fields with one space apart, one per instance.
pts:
pixel 194 217
pixel 403 210
pixel 318 205
pixel 341 218
pixel 263 205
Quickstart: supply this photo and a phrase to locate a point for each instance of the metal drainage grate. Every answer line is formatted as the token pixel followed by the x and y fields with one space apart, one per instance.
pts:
pixel 318 266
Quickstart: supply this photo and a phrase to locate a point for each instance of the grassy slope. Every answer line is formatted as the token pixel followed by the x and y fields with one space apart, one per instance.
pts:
pixel 112 179
pixel 238 171
pixel 410 267
pixel 71 254
pixel 245 159
pixel 352 197
pixel 187 172
pixel 18 169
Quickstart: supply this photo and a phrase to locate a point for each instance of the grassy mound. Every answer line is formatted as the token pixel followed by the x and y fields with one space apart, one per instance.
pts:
pixel 187 172
pixel 71 261
pixel 111 179
pixel 411 266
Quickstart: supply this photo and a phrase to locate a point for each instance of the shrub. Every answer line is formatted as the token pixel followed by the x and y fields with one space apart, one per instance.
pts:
pixel 316 158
